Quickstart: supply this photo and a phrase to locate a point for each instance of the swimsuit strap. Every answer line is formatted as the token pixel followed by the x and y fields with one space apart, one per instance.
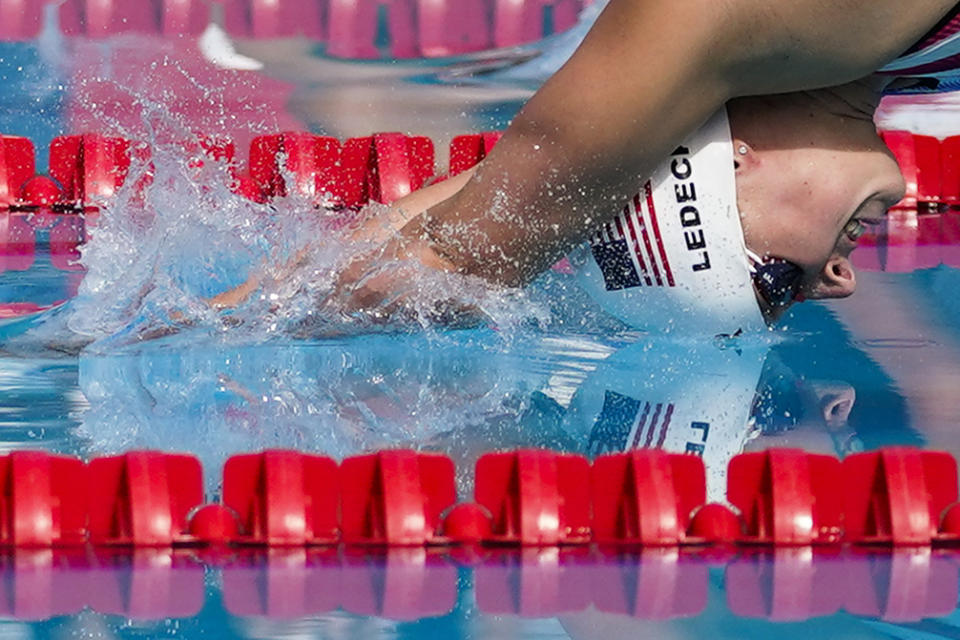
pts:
pixel 935 57
pixel 947 27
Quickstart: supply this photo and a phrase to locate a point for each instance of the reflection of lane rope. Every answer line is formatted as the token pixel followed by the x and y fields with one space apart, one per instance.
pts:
pixel 360 29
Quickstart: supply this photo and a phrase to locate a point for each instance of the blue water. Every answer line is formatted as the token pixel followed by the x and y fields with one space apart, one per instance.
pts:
pixel 878 369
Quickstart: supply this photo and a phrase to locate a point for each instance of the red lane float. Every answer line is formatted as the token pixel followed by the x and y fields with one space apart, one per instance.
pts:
pixel 432 28
pixel 898 495
pixel 528 498
pixel 20 19
pixel 43 500
pixel 99 19
pixel 645 497
pixel 312 161
pixel 283 498
pixel 380 168
pixel 395 497
pixel 384 167
pixel 466 151
pixel 351 28
pixel 17 166
pixel 274 19
pixel 787 497
pixel 930 167
pixel 87 170
pixel 89 167
pixel 519 22
pixel 538 498
pixel 452 27
pixel 145 498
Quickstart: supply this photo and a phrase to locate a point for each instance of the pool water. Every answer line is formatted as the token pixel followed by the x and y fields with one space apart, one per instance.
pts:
pixel 877 369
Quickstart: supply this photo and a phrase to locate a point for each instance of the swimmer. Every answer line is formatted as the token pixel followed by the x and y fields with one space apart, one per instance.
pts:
pixel 810 175
pixel 646 76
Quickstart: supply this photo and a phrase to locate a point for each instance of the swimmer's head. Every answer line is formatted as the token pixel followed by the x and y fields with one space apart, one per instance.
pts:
pixel 812 173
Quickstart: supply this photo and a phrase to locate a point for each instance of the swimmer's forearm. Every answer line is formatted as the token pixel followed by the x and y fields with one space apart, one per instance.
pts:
pixel 381 227
pixel 581 146
pixel 419 201
pixel 648 74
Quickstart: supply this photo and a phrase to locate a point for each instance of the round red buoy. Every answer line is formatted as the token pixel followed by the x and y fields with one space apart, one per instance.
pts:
pixel 715 523
pixel 951 520
pixel 467 523
pixel 214 524
pixel 40 191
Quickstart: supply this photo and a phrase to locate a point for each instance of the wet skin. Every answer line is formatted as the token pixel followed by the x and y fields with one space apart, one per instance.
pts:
pixel 812 174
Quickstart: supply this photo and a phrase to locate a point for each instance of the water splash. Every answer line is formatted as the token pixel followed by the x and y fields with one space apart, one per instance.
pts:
pixel 176 234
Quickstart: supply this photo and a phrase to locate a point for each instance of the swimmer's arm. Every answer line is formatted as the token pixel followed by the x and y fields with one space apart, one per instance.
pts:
pixel 648 74
pixel 373 231
pixel 381 227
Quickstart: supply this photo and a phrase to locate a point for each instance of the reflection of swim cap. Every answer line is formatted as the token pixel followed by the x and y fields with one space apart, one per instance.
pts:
pixel 673 397
pixel 674 259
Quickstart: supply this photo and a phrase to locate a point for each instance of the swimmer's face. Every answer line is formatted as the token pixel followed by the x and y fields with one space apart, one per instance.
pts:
pixel 824 427
pixel 812 174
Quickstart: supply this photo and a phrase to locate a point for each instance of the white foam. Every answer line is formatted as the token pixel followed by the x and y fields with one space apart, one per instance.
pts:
pixel 215 45
pixel 160 251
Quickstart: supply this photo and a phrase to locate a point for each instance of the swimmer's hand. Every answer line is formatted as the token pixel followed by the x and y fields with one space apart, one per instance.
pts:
pixel 385 284
pixel 233 298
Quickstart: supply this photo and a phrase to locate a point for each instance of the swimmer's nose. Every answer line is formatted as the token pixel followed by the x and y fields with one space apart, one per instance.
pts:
pixel 837 280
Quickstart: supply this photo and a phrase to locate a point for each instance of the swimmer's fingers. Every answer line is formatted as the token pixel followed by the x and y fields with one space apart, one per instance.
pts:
pixel 390 273
pixel 299 259
pixel 456 314
pixel 235 297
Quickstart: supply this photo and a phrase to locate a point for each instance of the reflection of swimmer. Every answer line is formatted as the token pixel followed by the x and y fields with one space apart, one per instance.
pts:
pixel 341 397
pixel 675 398
pixel 809 172
pixel 709 402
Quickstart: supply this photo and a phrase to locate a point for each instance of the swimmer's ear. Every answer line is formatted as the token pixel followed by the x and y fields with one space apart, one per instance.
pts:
pixel 743 155
pixel 837 279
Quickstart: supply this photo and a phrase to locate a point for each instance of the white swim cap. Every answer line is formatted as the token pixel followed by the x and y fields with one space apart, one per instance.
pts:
pixel 674 259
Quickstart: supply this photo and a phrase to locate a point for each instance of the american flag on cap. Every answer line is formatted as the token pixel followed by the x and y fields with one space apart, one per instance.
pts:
pixel 629 249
